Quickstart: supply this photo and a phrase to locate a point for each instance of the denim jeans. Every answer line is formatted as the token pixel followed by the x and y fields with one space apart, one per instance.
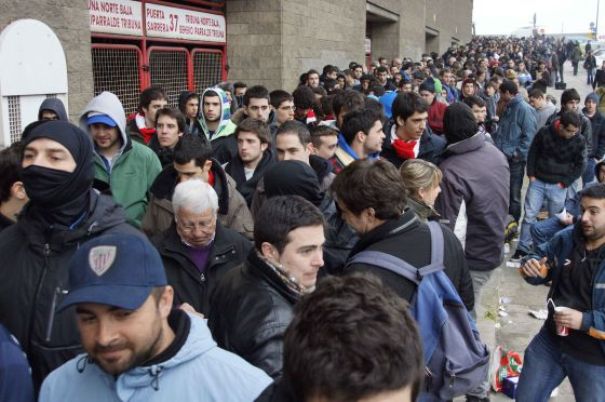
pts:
pixel 538 192
pixel 588 175
pixel 589 75
pixel 545 367
pixel 517 172
pixel 543 231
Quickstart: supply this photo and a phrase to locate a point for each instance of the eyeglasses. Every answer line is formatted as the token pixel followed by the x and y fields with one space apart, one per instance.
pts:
pixel 194 227
pixel 292 108
pixel 257 108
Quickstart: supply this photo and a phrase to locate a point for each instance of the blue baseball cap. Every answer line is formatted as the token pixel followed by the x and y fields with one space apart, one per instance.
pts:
pixel 118 270
pixel 100 118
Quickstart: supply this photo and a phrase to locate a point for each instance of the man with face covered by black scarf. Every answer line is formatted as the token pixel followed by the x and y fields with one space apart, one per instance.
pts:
pixel 63 212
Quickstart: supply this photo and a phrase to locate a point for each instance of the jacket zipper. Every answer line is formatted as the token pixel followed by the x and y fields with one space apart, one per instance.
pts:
pixel 30 334
pixel 51 315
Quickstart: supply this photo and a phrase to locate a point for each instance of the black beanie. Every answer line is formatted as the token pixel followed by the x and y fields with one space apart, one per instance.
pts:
pixel 77 142
pixel 427 85
pixel 293 178
pixel 459 123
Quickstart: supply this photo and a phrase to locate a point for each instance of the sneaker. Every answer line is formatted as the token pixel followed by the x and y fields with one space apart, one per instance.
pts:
pixel 519 254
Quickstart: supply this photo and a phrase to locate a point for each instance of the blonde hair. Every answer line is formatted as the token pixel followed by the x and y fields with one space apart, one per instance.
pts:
pixel 419 174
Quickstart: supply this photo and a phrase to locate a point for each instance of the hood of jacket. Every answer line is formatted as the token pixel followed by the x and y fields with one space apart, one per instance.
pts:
pixel 109 104
pixel 225 114
pixel 55 105
pixel 468 144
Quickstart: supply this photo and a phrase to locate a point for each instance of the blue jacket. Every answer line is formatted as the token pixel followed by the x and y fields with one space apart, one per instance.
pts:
pixel 15 378
pixel 200 371
pixel 557 251
pixel 516 129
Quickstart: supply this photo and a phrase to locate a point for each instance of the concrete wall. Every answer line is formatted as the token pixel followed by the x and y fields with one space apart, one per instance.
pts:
pixel 452 18
pixel 69 21
pixel 272 42
pixel 254 41
pixel 318 32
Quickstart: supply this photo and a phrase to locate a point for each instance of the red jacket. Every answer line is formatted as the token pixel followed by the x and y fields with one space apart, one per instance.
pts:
pixel 436 112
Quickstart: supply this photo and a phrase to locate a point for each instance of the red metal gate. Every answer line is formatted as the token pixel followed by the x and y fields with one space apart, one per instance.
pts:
pixel 118 69
pixel 208 67
pixel 169 68
pixel 123 70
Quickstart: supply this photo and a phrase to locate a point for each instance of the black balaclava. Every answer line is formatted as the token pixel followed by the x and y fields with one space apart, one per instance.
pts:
pixel 56 196
pixel 293 178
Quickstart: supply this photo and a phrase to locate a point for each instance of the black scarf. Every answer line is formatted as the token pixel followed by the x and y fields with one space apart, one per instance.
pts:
pixel 235 169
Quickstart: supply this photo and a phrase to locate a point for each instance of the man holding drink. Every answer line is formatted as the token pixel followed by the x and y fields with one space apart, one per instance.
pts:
pixel 572 341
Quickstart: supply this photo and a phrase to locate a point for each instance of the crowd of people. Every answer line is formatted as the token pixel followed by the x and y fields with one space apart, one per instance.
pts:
pixel 256 245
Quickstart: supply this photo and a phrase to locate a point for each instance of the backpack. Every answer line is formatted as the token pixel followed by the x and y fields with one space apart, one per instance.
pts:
pixel 456 361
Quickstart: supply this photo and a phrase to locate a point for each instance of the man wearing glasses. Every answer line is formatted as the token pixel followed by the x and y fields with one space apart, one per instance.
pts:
pixel 197 250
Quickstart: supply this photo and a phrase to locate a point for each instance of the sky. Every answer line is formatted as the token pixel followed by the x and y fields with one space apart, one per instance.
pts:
pixel 556 16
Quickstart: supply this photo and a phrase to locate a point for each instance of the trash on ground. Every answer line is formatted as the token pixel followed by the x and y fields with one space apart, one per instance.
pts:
pixel 539 314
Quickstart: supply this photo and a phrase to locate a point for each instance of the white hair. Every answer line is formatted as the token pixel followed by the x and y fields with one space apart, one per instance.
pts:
pixel 194 195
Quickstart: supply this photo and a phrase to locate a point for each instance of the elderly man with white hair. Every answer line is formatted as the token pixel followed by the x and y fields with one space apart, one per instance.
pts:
pixel 197 250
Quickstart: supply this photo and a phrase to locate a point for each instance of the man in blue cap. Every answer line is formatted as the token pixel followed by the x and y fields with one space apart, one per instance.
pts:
pixel 137 347
pixel 128 168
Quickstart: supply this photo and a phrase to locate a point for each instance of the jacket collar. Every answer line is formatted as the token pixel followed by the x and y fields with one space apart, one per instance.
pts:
pixel 259 268
pixel 467 145
pixel 407 221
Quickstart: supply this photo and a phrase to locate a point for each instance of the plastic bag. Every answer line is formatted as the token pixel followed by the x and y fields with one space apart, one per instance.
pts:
pixel 504 364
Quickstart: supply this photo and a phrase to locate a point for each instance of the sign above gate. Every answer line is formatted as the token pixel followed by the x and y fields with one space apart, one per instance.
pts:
pixel 122 17
pixel 178 23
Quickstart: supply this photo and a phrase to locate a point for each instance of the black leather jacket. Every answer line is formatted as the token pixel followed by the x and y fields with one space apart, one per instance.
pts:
pixel 249 313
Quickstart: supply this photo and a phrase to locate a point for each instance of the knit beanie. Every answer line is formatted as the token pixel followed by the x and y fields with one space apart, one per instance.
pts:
pixel 459 123
pixel 427 85
pixel 593 97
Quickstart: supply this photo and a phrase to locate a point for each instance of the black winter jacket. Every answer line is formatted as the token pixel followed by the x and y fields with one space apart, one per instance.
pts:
pixel 190 286
pixel 34 280
pixel 553 159
pixel 249 313
pixel 410 239
pixel 585 130
pixel 235 169
pixel 474 199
